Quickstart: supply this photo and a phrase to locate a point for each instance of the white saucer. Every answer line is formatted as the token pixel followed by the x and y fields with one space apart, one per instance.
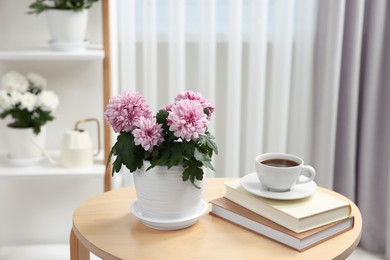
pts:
pixel 168 224
pixel 24 162
pixel 68 46
pixel 252 184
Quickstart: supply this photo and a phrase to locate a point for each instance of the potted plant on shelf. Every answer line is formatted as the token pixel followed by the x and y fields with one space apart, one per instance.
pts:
pixel 67 21
pixel 26 100
pixel 168 154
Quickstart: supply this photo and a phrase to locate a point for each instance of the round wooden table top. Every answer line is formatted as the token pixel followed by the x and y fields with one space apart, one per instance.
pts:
pixel 105 226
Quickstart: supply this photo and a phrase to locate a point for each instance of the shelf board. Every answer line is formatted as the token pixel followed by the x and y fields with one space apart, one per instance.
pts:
pixel 93 52
pixel 45 168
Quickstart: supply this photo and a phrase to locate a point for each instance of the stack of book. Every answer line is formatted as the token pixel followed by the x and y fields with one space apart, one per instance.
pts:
pixel 298 224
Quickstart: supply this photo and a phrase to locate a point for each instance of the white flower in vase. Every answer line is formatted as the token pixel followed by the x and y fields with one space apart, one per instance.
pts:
pixel 24 100
pixel 5 100
pixel 37 81
pixel 48 101
pixel 15 81
pixel 28 101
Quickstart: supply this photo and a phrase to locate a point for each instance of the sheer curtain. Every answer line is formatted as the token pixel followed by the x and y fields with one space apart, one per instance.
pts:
pixel 251 58
pixel 308 77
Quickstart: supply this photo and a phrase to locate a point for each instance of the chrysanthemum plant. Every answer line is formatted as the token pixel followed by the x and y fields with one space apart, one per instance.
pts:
pixel 26 101
pixel 176 136
pixel 39 6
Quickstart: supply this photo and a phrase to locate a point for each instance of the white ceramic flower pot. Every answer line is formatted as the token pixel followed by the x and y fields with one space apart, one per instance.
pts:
pixel 67 29
pixel 21 144
pixel 162 194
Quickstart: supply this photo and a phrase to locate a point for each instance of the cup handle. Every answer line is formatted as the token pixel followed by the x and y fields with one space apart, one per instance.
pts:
pixel 310 176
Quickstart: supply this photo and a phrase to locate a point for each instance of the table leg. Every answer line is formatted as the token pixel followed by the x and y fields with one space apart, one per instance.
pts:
pixel 77 250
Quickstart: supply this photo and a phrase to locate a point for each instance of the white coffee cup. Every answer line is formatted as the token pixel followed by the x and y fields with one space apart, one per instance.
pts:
pixel 281 171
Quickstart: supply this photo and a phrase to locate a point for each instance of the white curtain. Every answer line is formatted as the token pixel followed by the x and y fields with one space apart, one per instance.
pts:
pixel 308 77
pixel 249 57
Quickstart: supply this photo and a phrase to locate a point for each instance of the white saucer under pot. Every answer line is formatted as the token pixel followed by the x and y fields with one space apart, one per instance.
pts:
pixel 168 224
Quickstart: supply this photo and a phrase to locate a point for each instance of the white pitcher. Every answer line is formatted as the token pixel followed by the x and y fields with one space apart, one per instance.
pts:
pixel 76 149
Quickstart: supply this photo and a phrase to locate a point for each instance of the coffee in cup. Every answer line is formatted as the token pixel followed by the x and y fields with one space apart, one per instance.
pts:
pixel 281 171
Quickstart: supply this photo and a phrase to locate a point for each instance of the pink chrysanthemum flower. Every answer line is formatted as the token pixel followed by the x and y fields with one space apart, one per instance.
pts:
pixel 124 110
pixel 167 107
pixel 187 120
pixel 192 95
pixel 148 133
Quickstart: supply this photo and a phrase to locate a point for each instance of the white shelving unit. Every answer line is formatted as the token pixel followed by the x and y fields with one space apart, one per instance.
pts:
pixel 94 53
pixel 37 201
pixel 25 48
pixel 43 53
pixel 46 168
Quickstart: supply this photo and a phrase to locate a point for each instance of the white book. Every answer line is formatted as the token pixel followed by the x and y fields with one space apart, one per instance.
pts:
pixel 249 220
pixel 297 215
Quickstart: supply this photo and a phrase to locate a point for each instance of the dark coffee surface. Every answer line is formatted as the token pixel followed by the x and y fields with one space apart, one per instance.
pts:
pixel 279 163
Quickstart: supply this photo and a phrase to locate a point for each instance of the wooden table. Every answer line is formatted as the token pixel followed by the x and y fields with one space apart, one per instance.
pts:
pixel 105 226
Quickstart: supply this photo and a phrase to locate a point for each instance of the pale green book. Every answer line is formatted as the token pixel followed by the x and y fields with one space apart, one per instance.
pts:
pixel 297 215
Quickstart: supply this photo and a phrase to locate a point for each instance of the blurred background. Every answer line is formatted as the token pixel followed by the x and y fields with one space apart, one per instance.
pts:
pixel 308 77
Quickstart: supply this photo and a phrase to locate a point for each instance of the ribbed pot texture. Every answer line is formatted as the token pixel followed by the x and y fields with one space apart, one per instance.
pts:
pixel 162 194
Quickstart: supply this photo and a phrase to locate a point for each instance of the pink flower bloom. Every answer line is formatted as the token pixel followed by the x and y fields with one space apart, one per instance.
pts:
pixel 187 120
pixel 192 95
pixel 148 133
pixel 124 110
pixel 167 107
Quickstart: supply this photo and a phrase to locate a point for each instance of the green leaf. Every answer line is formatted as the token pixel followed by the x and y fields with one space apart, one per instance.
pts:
pixel 175 154
pixel 193 182
pixel 192 172
pixel 210 142
pixel 117 165
pixel 208 165
pixel 186 174
pixel 199 156
pixel 75 5
pixel 204 158
pixel 161 117
pixel 4 114
pixel 37 129
pixel 127 153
